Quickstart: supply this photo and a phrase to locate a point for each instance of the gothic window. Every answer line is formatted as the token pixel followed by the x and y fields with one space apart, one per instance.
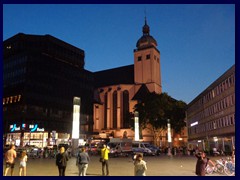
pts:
pixel 105 110
pixel 125 109
pixel 115 109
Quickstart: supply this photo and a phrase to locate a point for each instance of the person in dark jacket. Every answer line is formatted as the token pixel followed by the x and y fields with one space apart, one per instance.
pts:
pixel 82 162
pixel 61 161
pixel 202 163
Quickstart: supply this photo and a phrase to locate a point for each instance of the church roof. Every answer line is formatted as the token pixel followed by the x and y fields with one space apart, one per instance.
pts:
pixel 121 75
pixel 141 93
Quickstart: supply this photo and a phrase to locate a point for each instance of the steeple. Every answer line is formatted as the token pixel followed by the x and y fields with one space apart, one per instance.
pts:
pixel 147 62
pixel 146 40
pixel 146 28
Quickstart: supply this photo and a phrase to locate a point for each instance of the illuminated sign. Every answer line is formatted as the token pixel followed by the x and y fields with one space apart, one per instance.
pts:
pixel 33 127
pixel 14 127
pixel 25 127
pixel 40 129
pixel 194 124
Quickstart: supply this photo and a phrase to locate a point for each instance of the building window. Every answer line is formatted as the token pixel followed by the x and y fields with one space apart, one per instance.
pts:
pixel 125 123
pixel 148 56
pixel 115 109
pixel 105 110
pixel 139 58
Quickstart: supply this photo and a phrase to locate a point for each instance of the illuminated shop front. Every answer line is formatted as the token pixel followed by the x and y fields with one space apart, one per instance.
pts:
pixel 34 135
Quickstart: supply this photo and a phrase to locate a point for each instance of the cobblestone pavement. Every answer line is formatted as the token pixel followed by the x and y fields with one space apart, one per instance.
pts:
pixel 120 166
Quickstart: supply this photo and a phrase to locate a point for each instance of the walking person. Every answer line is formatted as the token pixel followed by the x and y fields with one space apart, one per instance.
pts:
pixel 23 164
pixel 233 155
pixel 202 163
pixel 61 161
pixel 104 155
pixel 82 162
pixel 140 166
pixel 10 156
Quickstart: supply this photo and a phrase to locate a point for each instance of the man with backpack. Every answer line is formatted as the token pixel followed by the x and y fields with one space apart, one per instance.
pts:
pixel 82 161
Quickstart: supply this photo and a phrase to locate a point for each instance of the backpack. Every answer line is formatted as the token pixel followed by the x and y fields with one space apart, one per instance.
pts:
pixel 79 158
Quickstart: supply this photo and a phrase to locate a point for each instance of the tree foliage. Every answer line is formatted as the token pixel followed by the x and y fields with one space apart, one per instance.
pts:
pixel 155 109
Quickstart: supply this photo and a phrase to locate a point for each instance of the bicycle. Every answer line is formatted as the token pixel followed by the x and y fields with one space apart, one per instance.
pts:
pixel 225 166
pixel 209 169
pixel 229 168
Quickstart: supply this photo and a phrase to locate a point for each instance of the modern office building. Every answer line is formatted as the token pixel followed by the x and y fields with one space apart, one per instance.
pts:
pixel 42 75
pixel 211 115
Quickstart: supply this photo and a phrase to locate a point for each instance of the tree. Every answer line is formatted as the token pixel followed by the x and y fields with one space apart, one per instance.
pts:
pixel 155 109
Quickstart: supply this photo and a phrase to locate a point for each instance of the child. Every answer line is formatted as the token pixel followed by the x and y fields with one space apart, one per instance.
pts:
pixel 140 166
pixel 23 164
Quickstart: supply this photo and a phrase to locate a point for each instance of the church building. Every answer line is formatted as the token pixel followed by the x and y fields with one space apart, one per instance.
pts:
pixel 115 97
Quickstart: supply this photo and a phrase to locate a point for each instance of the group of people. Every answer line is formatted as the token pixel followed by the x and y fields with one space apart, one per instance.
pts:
pixel 10 156
pixel 83 159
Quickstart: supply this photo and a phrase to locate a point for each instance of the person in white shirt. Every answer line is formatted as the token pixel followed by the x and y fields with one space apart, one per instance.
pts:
pixel 140 166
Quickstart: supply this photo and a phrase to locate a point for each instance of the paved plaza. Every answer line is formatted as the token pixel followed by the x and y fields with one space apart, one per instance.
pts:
pixel 120 166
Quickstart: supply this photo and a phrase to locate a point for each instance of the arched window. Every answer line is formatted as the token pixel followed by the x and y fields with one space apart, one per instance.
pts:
pixel 105 110
pixel 115 109
pixel 125 109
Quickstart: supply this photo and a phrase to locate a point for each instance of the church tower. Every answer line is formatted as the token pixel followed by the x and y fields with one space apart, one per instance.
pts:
pixel 147 62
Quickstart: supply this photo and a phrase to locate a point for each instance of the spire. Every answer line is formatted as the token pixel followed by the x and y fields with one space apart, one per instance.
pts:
pixel 146 28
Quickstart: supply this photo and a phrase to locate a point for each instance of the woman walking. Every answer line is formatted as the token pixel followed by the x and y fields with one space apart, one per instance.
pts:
pixel 61 161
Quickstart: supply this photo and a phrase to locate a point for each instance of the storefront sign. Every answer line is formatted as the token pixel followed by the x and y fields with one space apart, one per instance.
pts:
pixel 14 127
pixel 33 127
pixel 40 129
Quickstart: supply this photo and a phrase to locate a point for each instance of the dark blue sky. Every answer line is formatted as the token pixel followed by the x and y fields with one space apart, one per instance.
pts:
pixel 197 42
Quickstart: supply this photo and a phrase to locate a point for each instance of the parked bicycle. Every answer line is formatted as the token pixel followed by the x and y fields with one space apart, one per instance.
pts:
pixel 225 166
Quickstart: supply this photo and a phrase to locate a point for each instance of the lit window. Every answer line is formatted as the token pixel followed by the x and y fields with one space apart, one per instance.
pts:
pixel 19 97
pixel 15 99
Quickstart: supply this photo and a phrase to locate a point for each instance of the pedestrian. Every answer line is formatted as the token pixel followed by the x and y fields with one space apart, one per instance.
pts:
pixel 104 156
pixel 233 155
pixel 202 163
pixel 82 162
pixel 61 161
pixel 10 156
pixel 23 164
pixel 140 166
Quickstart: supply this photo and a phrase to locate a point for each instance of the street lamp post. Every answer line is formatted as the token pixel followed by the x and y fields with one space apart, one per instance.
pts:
pixel 136 126
pixel 76 124
pixel 169 137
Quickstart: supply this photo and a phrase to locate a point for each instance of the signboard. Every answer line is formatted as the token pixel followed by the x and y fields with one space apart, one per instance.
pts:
pixel 25 127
